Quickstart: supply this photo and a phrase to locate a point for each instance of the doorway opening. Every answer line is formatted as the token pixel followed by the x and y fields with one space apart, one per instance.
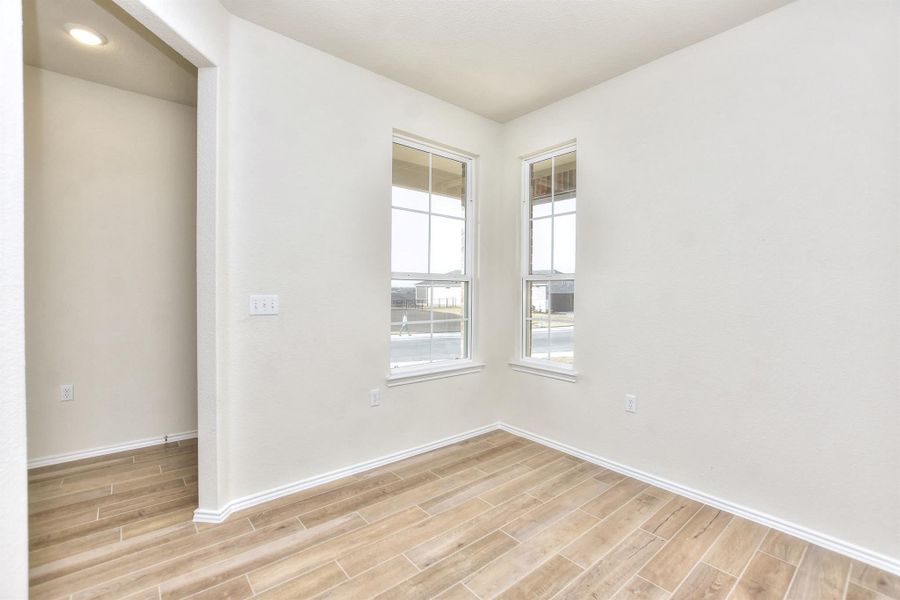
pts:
pixel 112 265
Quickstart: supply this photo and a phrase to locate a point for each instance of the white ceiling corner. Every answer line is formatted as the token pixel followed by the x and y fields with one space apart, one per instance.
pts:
pixel 133 59
pixel 500 58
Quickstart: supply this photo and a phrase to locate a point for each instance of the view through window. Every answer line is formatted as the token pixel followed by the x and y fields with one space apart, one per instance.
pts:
pixel 430 256
pixel 549 273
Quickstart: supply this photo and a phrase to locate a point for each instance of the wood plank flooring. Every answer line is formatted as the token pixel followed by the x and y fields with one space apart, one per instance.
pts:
pixel 495 516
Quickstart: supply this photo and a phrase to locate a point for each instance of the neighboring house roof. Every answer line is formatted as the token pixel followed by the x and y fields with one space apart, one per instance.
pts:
pixel 437 281
pixel 559 286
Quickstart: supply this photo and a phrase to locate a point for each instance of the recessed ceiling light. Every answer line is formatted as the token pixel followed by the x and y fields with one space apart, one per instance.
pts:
pixel 85 35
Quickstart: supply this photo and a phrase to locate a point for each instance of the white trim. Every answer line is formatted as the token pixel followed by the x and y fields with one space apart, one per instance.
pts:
pixel 876 559
pixel 550 152
pixel 525 227
pixel 209 516
pixel 886 563
pixel 470 223
pixel 544 369
pixel 400 276
pixel 438 370
pixel 432 147
pixel 92 452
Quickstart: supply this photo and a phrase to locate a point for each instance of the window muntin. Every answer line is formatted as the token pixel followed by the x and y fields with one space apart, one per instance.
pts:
pixel 548 281
pixel 430 256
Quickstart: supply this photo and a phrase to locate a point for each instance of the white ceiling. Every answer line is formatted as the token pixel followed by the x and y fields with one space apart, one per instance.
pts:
pixel 500 58
pixel 133 59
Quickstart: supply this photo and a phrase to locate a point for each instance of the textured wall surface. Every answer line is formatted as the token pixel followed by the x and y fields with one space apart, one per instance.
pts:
pixel 738 269
pixel 13 499
pixel 110 264
pixel 309 167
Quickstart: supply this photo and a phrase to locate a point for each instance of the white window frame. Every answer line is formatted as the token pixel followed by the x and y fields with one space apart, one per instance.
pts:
pixel 462 366
pixel 523 363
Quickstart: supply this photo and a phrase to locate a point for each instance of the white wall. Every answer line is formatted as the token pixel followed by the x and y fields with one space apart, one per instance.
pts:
pixel 305 153
pixel 198 30
pixel 13 499
pixel 737 269
pixel 110 264
pixel 738 264
pixel 308 216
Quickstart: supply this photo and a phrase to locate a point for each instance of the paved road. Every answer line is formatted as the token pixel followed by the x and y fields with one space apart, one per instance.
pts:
pixel 413 348
pixel 561 339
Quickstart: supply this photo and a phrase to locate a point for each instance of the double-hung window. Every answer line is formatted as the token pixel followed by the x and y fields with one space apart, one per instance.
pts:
pixel 548 270
pixel 431 256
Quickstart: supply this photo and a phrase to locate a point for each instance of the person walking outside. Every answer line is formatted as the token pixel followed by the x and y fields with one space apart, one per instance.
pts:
pixel 404 325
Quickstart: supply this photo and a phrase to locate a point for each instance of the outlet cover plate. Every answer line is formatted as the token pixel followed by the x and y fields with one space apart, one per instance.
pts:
pixel 67 392
pixel 630 403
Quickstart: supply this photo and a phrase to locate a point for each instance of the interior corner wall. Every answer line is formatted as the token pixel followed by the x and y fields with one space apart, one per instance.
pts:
pixel 13 453
pixel 309 165
pixel 110 264
pixel 737 269
pixel 738 264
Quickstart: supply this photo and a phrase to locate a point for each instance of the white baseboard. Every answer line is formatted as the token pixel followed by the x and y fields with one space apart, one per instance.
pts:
pixel 217 516
pixel 92 452
pixel 865 555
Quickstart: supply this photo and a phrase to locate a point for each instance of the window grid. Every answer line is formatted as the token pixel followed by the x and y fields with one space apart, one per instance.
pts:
pixel 429 279
pixel 530 279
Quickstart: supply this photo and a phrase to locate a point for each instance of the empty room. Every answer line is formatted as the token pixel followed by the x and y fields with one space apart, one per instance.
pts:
pixel 450 299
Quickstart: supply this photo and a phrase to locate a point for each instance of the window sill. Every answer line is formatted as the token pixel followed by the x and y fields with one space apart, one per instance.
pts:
pixel 544 369
pixel 407 375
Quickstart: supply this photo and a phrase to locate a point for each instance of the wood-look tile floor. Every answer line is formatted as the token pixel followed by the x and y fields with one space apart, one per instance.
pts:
pixel 491 517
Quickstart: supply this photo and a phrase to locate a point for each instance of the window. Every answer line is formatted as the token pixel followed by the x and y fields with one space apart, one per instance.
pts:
pixel 548 282
pixel 431 212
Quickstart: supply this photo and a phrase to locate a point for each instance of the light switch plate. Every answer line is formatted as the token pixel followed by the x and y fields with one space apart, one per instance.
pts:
pixel 264 304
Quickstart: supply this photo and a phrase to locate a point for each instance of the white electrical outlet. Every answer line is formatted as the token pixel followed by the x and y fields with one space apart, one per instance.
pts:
pixel 67 392
pixel 264 304
pixel 630 403
pixel 374 397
